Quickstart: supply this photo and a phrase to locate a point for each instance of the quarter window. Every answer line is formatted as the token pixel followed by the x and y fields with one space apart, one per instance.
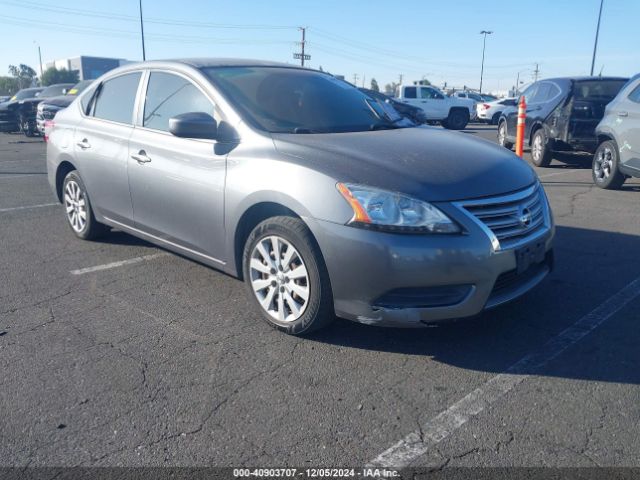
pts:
pixel 116 98
pixel 634 96
pixel 169 95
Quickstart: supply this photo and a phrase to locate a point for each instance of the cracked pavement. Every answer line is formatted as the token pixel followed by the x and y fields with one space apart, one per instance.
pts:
pixel 164 362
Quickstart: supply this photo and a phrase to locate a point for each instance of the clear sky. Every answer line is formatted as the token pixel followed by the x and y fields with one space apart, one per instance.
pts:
pixel 438 40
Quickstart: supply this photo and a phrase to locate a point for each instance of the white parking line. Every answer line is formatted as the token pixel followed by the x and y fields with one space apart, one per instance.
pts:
pixel 444 424
pixel 107 266
pixel 27 207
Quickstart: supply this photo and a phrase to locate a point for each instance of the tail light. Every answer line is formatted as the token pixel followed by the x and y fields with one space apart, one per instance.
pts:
pixel 48 125
pixel 486 106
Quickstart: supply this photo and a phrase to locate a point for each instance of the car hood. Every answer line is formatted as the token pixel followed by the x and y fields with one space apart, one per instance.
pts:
pixel 425 162
pixel 60 101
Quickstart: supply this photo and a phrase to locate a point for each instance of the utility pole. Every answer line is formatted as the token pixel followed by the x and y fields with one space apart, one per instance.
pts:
pixel 39 57
pixel 302 56
pixel 595 45
pixel 484 44
pixel 355 79
pixel 364 77
pixel 400 79
pixel 144 55
pixel 536 72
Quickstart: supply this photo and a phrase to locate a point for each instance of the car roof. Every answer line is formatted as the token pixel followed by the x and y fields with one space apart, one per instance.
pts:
pixel 223 62
pixel 584 79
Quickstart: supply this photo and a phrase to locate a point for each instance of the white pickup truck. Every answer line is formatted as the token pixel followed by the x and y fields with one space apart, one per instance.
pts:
pixel 452 112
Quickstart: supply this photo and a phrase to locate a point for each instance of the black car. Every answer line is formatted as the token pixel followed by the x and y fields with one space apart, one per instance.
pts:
pixel 562 114
pixel 415 114
pixel 8 109
pixel 25 110
pixel 48 107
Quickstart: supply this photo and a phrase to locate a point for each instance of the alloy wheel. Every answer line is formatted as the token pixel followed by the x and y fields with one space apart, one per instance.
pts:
pixel 279 278
pixel 537 147
pixel 603 165
pixel 76 206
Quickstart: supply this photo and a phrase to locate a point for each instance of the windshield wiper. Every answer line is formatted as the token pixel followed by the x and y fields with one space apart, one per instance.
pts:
pixel 383 126
pixel 304 130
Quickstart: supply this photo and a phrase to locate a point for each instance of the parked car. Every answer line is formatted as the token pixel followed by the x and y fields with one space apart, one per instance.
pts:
pixel 4 98
pixel 299 184
pixel 415 114
pixel 476 97
pixel 562 114
pixel 454 113
pixel 8 110
pixel 26 110
pixel 488 98
pixel 48 107
pixel 490 112
pixel 618 154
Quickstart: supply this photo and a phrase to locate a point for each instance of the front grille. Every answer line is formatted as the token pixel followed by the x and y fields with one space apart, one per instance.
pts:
pixel 511 219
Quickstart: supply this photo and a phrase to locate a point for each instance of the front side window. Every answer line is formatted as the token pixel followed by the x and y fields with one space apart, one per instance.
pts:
pixel 169 95
pixel 293 100
pixel 116 98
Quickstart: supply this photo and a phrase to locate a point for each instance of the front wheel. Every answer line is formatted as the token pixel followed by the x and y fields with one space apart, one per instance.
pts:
pixel 457 120
pixel 502 136
pixel 605 170
pixel 286 276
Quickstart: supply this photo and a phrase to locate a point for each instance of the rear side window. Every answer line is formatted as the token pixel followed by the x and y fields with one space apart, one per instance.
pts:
pixel 410 92
pixel 634 96
pixel 169 95
pixel 116 98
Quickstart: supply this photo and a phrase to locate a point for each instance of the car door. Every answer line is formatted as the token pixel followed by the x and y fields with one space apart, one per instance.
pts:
pixel 177 184
pixel 628 111
pixel 101 146
pixel 434 102
pixel 410 96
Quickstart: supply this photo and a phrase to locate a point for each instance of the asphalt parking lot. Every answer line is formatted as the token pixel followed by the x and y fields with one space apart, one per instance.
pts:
pixel 155 360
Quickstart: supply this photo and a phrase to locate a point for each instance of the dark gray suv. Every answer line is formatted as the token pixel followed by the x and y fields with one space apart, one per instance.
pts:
pixel 304 187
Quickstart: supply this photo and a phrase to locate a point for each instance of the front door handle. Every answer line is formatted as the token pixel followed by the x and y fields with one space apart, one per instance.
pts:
pixel 623 114
pixel 141 157
pixel 84 144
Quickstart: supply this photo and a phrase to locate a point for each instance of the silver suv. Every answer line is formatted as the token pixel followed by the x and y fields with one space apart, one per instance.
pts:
pixel 618 155
pixel 304 187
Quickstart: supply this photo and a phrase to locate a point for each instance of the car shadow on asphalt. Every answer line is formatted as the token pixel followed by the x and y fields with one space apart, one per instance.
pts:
pixel 591 266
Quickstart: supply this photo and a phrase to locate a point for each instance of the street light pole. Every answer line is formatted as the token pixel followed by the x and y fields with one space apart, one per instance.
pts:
pixel 484 44
pixel 595 45
pixel 144 56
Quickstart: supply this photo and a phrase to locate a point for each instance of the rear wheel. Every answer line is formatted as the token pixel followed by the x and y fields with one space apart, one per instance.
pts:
pixel 496 118
pixel 502 136
pixel 605 170
pixel 80 215
pixel 457 120
pixel 541 154
pixel 286 276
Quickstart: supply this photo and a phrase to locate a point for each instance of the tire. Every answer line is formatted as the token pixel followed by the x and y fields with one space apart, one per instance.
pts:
pixel 276 295
pixel 76 203
pixel 541 154
pixel 502 136
pixel 457 120
pixel 496 118
pixel 604 170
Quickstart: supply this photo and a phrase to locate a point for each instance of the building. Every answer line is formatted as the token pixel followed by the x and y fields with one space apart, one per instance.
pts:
pixel 88 68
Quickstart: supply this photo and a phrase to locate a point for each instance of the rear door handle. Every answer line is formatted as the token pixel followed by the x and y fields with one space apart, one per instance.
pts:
pixel 141 157
pixel 623 114
pixel 84 144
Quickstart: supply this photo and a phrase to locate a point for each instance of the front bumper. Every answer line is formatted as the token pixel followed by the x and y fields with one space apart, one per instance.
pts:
pixel 367 266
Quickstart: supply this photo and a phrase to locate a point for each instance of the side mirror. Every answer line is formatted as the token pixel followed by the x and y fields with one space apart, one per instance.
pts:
pixel 64 91
pixel 194 125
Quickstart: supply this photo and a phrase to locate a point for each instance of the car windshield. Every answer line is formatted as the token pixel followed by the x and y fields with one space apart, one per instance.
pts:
pixel 598 89
pixel 55 90
pixel 79 87
pixel 26 93
pixel 292 100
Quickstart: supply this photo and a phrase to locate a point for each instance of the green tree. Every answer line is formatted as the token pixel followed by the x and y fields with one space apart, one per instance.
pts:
pixel 391 88
pixel 24 74
pixel 52 76
pixel 374 85
pixel 424 81
pixel 8 85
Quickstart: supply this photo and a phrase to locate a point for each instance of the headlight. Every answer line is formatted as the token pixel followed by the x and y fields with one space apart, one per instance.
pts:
pixel 394 212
